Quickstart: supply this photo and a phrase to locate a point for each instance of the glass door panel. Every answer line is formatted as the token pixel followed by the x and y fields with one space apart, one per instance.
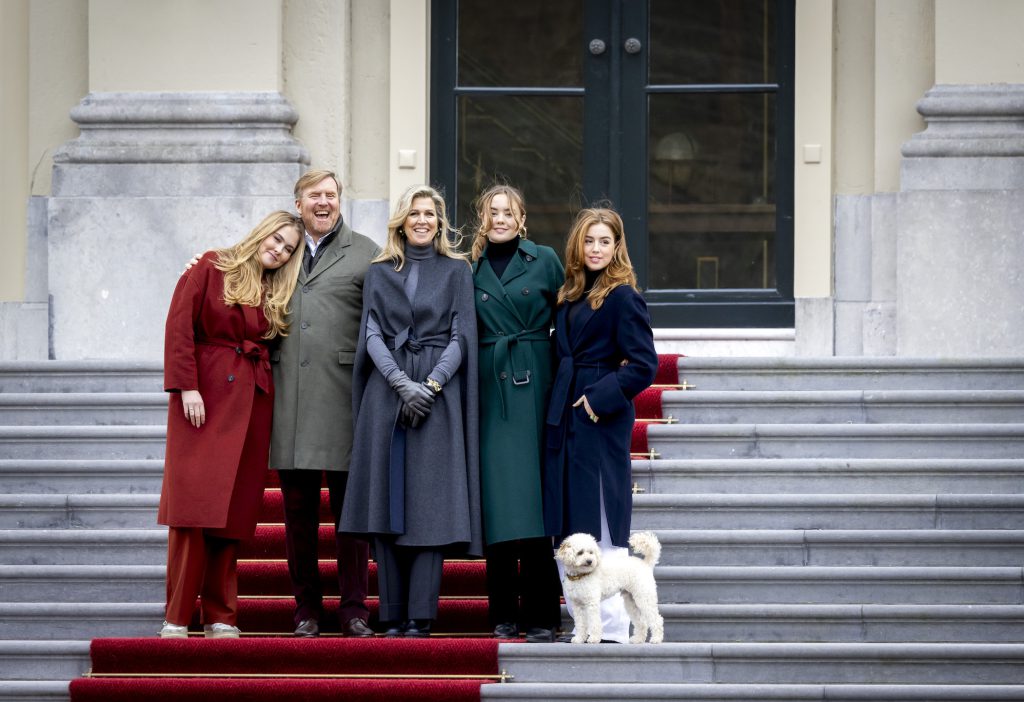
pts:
pixel 696 42
pixel 532 142
pixel 711 190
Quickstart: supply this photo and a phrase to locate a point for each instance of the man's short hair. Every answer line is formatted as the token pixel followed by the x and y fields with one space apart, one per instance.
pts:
pixel 311 178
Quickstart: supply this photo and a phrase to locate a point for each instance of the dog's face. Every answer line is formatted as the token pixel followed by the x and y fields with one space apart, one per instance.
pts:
pixel 579 553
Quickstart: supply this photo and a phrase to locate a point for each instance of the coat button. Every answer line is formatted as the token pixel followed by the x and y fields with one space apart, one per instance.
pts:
pixel 529 257
pixel 231 378
pixel 503 375
pixel 238 349
pixel 305 288
pixel 304 364
pixel 485 297
pixel 526 291
pixel 305 325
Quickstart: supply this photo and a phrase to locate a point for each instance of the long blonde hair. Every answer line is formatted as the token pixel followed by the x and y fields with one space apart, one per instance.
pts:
pixel 446 240
pixel 482 205
pixel 618 272
pixel 246 282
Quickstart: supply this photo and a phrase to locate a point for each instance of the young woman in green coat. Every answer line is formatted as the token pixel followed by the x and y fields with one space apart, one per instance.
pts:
pixel 516 285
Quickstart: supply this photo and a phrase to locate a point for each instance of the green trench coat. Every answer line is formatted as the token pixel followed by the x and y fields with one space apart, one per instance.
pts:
pixel 514 321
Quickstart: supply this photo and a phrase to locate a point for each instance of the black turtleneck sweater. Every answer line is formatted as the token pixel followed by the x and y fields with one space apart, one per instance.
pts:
pixel 499 254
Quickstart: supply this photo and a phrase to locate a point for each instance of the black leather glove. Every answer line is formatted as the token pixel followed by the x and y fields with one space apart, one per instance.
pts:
pixel 417 396
pixel 410 418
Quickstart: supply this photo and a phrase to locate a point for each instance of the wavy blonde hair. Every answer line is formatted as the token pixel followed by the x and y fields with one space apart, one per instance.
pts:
pixel 619 271
pixel 482 205
pixel 446 240
pixel 247 283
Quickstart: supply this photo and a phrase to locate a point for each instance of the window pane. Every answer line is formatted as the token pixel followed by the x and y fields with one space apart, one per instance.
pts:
pixel 711 191
pixel 726 41
pixel 524 44
pixel 533 143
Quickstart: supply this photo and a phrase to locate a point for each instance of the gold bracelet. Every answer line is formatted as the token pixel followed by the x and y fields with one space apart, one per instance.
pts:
pixel 433 384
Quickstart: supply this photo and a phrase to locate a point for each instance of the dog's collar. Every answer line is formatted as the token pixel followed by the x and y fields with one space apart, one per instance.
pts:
pixel 579 576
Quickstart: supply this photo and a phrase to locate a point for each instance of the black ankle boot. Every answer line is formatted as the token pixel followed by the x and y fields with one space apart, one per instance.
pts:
pixel 418 628
pixel 394 629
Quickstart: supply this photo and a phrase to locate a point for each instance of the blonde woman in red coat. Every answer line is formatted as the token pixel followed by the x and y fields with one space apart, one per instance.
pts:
pixel 216 366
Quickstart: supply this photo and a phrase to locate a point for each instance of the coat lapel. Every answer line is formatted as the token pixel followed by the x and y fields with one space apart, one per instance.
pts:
pixel 583 318
pixel 334 253
pixel 486 281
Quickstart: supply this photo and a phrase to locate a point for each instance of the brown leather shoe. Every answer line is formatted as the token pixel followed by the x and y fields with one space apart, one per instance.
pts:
pixel 308 629
pixel 356 626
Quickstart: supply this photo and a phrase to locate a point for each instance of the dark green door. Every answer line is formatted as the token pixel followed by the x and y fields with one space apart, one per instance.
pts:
pixel 676 112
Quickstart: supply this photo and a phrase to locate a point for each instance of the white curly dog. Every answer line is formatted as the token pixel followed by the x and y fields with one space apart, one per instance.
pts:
pixel 589 578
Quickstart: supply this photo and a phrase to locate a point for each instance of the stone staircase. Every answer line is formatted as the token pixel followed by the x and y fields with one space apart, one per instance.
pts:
pixel 833 529
pixel 81 447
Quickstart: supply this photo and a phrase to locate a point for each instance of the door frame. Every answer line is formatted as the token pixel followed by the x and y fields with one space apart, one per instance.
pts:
pixel 610 132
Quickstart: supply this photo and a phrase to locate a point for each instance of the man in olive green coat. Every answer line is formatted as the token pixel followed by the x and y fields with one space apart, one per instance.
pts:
pixel 312 432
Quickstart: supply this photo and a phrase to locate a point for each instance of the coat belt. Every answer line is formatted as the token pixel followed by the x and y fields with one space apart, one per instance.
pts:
pixel 558 405
pixel 255 352
pixel 505 347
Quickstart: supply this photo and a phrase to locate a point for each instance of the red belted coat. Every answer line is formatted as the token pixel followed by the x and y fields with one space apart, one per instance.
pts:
pixel 214 475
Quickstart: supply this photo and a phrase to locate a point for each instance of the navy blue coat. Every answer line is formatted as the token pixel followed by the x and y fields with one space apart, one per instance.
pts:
pixel 582 456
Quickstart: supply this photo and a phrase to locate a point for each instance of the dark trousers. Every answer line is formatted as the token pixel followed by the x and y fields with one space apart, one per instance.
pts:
pixel 203 566
pixel 409 580
pixel 522 584
pixel 301 492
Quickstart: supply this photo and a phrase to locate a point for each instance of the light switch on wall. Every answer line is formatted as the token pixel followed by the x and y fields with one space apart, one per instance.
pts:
pixel 407 158
pixel 812 153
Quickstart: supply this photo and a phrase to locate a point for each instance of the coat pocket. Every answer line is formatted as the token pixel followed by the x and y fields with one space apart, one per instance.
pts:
pixel 346 358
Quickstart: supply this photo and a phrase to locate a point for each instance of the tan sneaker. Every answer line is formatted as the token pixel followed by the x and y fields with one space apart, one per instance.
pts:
pixel 173 631
pixel 221 631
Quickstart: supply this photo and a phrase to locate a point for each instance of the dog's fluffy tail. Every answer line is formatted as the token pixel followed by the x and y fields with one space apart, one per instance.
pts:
pixel 647 546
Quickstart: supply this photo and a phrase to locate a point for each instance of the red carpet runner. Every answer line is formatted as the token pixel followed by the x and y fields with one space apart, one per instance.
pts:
pixel 287 669
pixel 268 664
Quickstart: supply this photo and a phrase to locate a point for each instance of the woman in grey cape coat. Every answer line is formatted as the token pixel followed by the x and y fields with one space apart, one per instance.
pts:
pixel 414 485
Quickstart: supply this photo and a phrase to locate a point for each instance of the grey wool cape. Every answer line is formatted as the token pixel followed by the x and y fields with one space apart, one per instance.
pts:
pixel 439 504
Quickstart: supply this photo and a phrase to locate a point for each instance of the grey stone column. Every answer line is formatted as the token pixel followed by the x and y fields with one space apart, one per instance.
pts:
pixel 153 179
pixel 960 224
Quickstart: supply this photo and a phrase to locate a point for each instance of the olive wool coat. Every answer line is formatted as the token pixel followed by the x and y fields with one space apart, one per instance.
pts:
pixel 435 500
pixel 214 475
pixel 585 458
pixel 313 364
pixel 514 317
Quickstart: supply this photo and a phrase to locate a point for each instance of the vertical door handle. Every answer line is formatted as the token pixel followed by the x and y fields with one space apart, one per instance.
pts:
pixel 632 46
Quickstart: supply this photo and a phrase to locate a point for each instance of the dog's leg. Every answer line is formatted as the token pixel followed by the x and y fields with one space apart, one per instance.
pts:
pixel 635 616
pixel 595 628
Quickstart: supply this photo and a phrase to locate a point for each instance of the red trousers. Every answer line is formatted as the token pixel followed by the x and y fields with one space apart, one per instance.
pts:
pixel 203 566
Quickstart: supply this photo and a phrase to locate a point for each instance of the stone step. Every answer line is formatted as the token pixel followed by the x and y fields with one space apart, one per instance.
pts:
pixel 79 621
pixel 81 376
pixel 103 511
pixel 703 585
pixel 818 475
pixel 828 511
pixel 830 547
pixel 81 408
pixel 84 546
pixel 82 476
pixel 842 406
pixel 718 692
pixel 693 511
pixel 834 585
pixel 83 442
pixel 34 691
pixel 43 660
pixel 769 663
pixel 837 440
pixel 839 623
pixel 852 373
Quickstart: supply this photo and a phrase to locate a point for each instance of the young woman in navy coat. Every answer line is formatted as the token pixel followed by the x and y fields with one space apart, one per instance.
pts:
pixel 605 354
